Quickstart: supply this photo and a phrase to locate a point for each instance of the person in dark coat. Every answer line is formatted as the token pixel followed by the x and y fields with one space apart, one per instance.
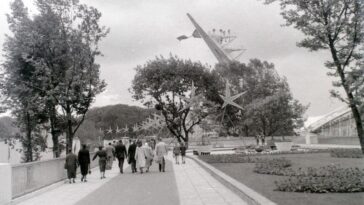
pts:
pixel 71 166
pixel 84 161
pixel 102 161
pixel 121 154
pixel 131 157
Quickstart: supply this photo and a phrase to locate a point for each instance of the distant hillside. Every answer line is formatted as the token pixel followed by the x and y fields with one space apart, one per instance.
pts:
pixel 111 116
pixel 7 127
pixel 99 117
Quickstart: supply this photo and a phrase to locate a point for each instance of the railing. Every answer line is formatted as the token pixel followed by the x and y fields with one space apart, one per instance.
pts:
pixel 32 176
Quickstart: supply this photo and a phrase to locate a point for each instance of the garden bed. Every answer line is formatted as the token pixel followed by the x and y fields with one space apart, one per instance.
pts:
pixel 265 184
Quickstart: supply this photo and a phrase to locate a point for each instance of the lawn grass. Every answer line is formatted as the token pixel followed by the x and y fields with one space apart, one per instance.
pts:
pixel 264 184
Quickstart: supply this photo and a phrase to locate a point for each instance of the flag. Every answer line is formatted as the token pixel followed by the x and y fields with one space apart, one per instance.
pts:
pixel 196 34
pixel 183 37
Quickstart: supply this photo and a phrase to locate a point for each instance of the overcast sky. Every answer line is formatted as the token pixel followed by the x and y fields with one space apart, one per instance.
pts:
pixel 143 29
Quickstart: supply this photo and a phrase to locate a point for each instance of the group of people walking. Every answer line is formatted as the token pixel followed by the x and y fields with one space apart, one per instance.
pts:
pixel 73 161
pixel 142 156
pixel 179 149
pixel 138 155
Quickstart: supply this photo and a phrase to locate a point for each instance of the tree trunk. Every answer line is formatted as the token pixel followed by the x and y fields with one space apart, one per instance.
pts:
pixel 56 150
pixel 54 132
pixel 69 133
pixel 186 140
pixel 246 130
pixel 29 146
pixel 359 125
pixel 349 94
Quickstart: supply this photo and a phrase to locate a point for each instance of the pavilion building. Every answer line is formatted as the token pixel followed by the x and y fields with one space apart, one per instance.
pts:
pixel 336 127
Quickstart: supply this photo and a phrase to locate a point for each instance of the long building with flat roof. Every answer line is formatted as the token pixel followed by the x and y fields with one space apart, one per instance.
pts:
pixel 336 127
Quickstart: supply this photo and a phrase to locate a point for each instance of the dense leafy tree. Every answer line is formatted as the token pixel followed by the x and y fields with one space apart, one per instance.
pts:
pixel 74 75
pixel 269 107
pixel 20 77
pixel 8 129
pixel 166 83
pixel 59 46
pixel 337 26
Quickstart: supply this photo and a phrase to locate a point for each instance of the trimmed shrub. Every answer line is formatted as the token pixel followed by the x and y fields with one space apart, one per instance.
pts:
pixel 324 180
pixel 272 166
pixel 307 151
pixel 346 153
pixel 228 158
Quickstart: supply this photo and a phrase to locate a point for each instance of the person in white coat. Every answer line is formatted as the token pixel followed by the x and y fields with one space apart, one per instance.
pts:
pixel 140 157
pixel 149 156
pixel 161 151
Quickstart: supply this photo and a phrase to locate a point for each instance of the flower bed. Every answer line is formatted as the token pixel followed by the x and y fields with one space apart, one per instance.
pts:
pixel 346 153
pixel 308 164
pixel 272 166
pixel 324 180
pixel 241 156
pixel 331 178
pixel 277 152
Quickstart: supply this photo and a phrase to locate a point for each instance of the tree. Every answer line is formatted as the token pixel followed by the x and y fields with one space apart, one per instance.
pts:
pixel 19 79
pixel 337 26
pixel 51 61
pixel 166 83
pixel 269 107
pixel 74 78
pixel 65 44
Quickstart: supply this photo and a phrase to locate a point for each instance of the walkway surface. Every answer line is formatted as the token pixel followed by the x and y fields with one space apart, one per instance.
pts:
pixel 153 188
pixel 183 184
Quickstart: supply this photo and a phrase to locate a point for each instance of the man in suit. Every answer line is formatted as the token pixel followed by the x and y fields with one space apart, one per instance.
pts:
pixel 161 150
pixel 120 152
pixel 131 157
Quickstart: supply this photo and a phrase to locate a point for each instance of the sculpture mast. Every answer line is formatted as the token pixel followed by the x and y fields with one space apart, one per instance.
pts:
pixel 218 44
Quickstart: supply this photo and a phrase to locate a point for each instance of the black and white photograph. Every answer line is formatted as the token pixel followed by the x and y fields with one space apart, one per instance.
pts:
pixel 181 102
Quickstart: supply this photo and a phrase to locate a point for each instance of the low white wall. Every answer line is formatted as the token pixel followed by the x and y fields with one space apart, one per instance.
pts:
pixel 29 177
pixel 5 187
pixel 32 176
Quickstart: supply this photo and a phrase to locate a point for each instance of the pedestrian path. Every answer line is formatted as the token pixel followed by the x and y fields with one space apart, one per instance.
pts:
pixel 198 187
pixel 68 194
pixel 152 188
pixel 183 184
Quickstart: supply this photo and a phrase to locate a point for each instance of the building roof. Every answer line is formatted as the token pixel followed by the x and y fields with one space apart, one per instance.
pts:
pixel 328 118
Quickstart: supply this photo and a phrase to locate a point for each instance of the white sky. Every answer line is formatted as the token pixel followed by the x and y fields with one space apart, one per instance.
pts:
pixel 143 29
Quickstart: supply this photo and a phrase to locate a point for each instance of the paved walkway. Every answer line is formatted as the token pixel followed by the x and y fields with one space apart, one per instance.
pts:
pixel 69 194
pixel 152 188
pixel 197 187
pixel 184 184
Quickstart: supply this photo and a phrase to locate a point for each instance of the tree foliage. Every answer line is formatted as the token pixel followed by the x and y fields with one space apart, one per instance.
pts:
pixel 165 83
pixel 8 129
pixel 56 51
pixel 337 26
pixel 269 107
